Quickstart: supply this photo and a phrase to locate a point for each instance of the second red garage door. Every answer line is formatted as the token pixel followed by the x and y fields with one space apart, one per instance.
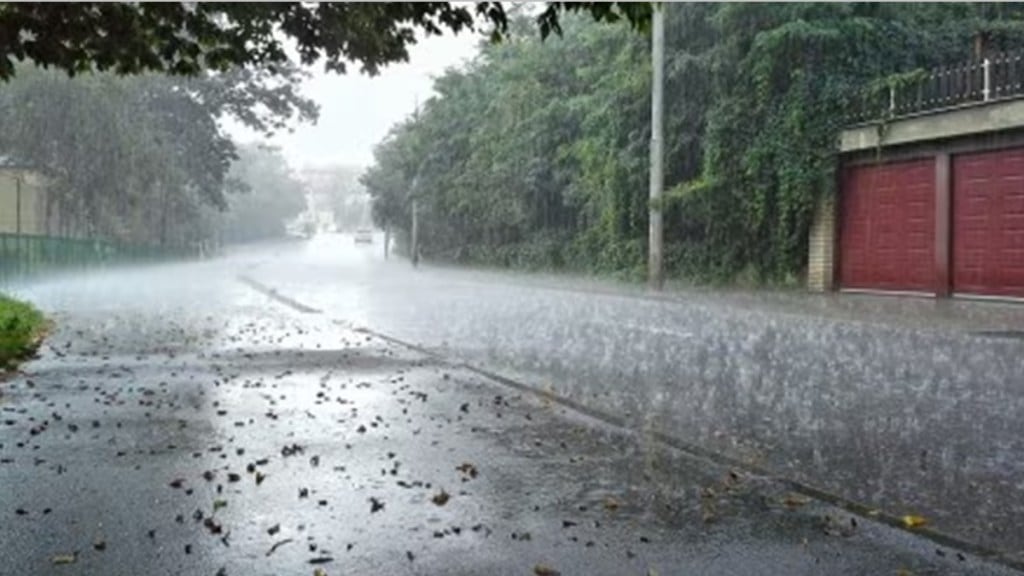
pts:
pixel 887 237
pixel 988 223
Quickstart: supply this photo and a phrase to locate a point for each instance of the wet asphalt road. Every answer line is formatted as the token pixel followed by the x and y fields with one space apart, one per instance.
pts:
pixel 180 422
pixel 909 405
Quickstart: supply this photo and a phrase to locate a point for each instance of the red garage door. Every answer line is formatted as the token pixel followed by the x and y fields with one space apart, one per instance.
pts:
pixel 988 223
pixel 888 227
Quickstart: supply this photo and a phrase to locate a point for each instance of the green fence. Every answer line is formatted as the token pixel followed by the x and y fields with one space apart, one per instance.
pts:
pixel 22 256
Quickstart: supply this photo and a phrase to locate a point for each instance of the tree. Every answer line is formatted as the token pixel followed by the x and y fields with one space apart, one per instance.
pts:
pixel 389 180
pixel 188 37
pixel 523 157
pixel 337 189
pixel 538 151
pixel 138 159
pixel 268 195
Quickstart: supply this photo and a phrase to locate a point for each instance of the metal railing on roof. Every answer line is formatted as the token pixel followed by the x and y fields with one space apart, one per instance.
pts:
pixel 998 77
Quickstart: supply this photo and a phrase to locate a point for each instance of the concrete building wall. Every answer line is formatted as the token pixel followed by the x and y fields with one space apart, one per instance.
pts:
pixel 940 136
pixel 933 126
pixel 822 247
pixel 32 205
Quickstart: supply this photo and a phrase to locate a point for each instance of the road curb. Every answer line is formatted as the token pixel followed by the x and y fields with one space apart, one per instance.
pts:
pixel 275 295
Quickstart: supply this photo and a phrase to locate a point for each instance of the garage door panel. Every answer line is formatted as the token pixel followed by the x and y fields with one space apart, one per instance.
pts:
pixel 988 223
pixel 888 226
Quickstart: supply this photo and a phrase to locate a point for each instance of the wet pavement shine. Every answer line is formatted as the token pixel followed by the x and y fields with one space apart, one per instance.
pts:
pixel 179 421
pixel 908 405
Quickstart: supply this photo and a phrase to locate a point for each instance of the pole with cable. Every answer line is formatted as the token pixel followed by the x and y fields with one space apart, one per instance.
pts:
pixel 655 264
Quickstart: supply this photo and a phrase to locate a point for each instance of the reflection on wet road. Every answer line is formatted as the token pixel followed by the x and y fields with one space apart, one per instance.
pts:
pixel 180 422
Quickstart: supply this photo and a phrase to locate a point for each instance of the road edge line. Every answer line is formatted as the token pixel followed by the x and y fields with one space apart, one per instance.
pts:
pixel 277 296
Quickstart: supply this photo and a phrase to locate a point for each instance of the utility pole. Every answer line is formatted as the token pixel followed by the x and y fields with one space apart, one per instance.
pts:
pixel 17 205
pixel 414 240
pixel 414 248
pixel 656 273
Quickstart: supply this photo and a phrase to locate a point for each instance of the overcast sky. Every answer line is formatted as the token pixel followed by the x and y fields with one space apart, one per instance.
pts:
pixel 356 110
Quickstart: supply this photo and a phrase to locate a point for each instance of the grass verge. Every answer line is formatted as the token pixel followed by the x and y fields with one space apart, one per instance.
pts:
pixel 22 327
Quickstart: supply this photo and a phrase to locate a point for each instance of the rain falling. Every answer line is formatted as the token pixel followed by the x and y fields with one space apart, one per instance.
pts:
pixel 496 288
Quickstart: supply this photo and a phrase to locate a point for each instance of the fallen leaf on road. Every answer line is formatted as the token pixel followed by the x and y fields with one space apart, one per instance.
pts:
pixel 441 498
pixel 278 545
pixel 911 521
pixel 375 505
pixel 218 504
pixel 319 572
pixel 707 515
pixel 467 469
pixel 260 477
pixel 64 559
pixel 611 504
pixel 212 526
pixel 794 501
pixel 542 570
pixel 291 450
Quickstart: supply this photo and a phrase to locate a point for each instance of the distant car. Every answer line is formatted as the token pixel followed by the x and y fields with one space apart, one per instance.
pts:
pixel 364 236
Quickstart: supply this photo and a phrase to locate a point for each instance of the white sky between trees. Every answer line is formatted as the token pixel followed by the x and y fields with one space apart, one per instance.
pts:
pixel 357 110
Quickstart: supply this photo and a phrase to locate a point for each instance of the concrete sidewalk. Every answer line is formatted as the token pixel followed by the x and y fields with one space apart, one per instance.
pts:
pixel 991 317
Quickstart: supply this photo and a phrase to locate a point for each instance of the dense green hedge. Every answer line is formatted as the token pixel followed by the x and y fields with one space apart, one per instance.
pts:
pixel 21 326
